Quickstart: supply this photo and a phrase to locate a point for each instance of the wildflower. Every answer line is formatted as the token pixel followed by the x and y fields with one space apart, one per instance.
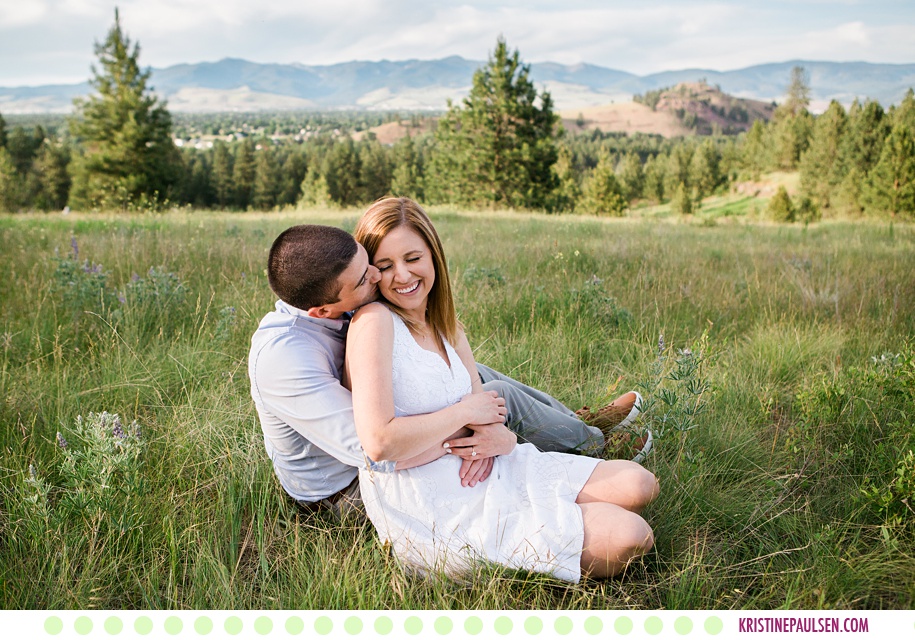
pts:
pixel 135 429
pixel 660 345
pixel 61 441
pixel 32 474
pixel 75 247
pixel 118 429
pixel 594 280
pixel 685 352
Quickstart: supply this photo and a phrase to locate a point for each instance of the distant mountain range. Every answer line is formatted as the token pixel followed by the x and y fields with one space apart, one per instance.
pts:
pixel 419 85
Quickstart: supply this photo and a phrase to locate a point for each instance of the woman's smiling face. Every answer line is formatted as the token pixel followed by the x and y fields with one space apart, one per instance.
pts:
pixel 407 271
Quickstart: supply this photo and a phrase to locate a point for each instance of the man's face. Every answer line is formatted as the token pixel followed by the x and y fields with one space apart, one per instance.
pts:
pixel 359 285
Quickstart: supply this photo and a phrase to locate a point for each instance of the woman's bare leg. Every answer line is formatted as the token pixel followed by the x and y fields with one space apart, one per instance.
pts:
pixel 622 483
pixel 614 537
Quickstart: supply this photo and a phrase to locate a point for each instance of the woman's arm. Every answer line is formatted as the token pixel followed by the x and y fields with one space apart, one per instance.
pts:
pixel 369 348
pixel 486 441
pixel 434 452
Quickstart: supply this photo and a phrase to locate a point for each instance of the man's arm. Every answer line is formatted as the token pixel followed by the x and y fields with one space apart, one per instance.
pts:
pixel 296 382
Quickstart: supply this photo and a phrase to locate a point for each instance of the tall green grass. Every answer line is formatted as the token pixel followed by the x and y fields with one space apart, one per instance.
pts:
pixel 793 490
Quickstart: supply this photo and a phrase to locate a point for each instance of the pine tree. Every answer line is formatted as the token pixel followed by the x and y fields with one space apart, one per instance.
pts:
pixel 602 193
pixel 128 157
pixel 631 176
pixel 266 180
pixel 23 147
pixel 756 150
pixel 223 186
pixel 499 148
pixel 243 171
pixel 10 183
pixel 797 97
pixel 196 186
pixel 50 176
pixel 705 169
pixel 904 113
pixel 677 170
pixel 863 141
pixel 568 192
pixel 681 202
pixel 890 186
pixel 341 171
pixel 315 191
pixel 293 172
pixel 375 172
pixel 791 134
pixel 2 132
pixel 819 171
pixel 655 176
pixel 780 207
pixel 407 180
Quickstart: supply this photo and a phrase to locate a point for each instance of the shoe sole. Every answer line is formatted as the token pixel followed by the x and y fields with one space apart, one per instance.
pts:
pixel 632 415
pixel 646 449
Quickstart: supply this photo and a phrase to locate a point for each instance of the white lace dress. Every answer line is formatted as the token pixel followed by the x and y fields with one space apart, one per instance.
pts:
pixel 523 516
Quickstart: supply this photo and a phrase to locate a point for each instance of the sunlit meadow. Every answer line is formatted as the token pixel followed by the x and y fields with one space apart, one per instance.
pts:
pixel 782 395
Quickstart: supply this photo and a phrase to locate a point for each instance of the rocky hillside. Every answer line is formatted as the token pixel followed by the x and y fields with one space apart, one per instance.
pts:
pixel 686 109
pixel 705 109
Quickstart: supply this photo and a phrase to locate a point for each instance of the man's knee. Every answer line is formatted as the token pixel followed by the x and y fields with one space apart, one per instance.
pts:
pixel 499 386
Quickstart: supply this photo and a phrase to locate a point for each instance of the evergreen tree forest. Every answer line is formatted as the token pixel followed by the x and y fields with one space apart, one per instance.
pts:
pixel 501 147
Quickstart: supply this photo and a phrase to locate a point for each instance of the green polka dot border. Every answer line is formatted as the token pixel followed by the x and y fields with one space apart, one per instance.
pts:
pixel 506 623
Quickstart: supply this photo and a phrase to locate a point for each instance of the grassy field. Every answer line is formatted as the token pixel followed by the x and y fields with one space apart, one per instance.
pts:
pixel 783 397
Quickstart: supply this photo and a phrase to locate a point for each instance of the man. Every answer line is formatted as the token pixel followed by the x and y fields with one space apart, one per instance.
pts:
pixel 320 275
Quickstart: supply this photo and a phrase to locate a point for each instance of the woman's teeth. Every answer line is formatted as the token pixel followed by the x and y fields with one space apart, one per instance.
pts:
pixel 409 289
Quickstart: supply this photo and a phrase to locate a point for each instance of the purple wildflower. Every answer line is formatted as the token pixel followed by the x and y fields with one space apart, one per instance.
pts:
pixel 75 247
pixel 661 345
pixel 118 429
pixel 32 473
pixel 61 441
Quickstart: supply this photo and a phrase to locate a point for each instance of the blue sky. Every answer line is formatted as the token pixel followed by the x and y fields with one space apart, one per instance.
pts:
pixel 51 41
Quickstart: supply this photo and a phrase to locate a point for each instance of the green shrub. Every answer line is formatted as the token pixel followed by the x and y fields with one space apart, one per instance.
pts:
pixel 780 208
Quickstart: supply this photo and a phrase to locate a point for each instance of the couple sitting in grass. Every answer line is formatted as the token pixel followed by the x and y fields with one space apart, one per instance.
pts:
pixel 385 411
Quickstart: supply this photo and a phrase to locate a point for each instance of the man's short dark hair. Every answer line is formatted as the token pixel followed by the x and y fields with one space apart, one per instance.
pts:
pixel 305 264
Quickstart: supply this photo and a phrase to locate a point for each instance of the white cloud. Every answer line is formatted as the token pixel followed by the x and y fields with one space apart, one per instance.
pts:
pixel 53 38
pixel 18 14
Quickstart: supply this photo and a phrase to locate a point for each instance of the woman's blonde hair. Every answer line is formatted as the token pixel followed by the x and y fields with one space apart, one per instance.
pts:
pixel 388 214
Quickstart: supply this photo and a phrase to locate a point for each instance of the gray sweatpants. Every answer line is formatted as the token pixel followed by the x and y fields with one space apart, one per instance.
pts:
pixel 539 418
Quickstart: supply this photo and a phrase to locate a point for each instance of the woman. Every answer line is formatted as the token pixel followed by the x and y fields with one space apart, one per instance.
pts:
pixel 553 513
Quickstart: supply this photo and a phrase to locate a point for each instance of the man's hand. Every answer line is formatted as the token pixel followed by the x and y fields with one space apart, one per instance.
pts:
pixel 476 470
pixel 494 439
pixel 485 407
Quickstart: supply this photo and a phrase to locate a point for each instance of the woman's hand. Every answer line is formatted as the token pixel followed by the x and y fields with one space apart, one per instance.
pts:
pixel 486 441
pixel 482 408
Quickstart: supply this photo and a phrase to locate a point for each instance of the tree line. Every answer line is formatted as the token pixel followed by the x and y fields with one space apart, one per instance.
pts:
pixel 501 147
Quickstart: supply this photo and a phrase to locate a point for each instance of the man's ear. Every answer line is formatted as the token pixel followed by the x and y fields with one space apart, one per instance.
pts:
pixel 318 312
